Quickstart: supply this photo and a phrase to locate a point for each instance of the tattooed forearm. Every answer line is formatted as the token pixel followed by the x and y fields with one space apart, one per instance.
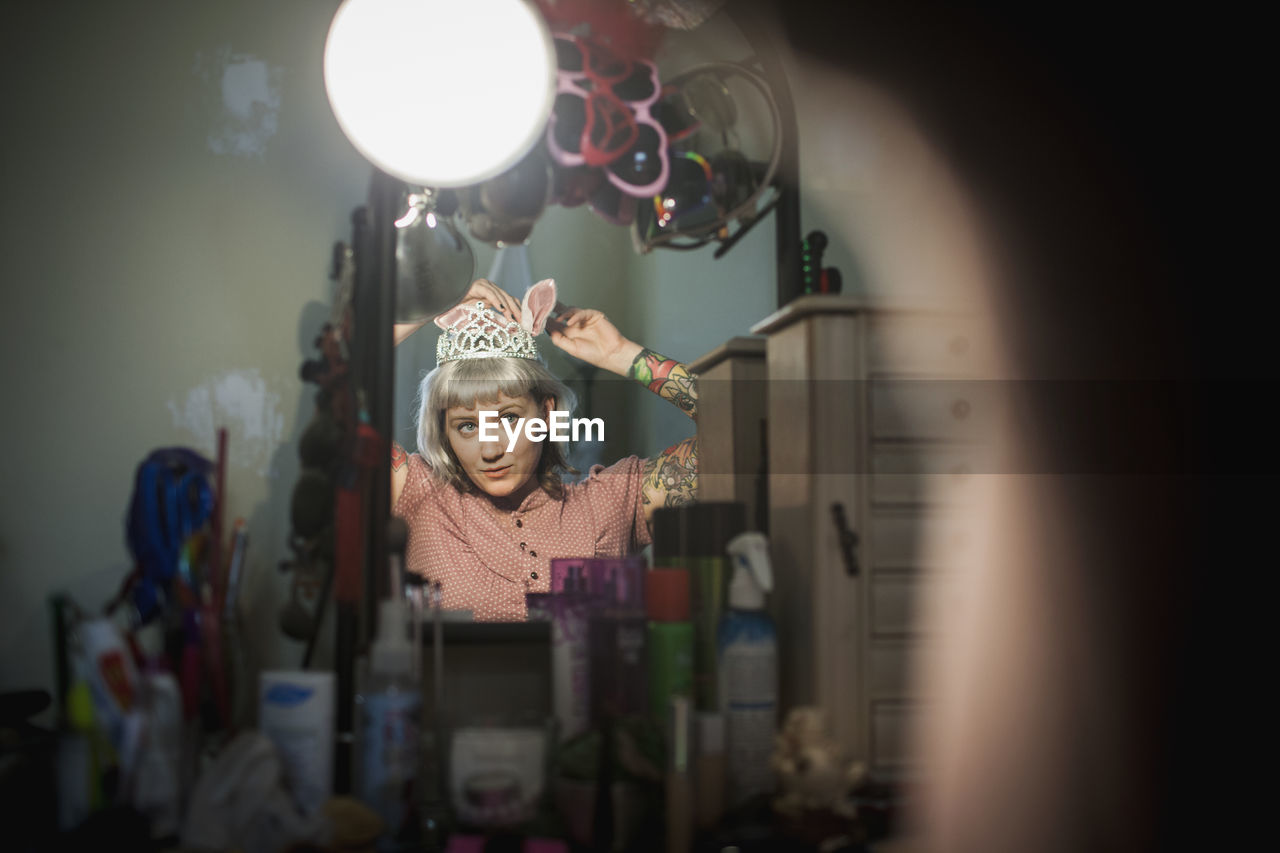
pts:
pixel 672 478
pixel 668 378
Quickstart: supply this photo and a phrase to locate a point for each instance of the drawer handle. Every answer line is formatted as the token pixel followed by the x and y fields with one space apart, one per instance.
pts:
pixel 960 409
pixel 848 540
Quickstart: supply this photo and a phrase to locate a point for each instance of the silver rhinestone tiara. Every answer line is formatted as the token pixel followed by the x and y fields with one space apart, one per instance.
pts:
pixel 484 333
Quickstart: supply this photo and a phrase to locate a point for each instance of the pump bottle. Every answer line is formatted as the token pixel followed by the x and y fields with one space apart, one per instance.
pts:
pixel 390 719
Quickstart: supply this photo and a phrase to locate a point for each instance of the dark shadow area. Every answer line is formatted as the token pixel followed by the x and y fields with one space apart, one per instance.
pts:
pixel 1120 159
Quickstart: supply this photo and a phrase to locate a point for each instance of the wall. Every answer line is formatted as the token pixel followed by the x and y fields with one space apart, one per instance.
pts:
pixel 173 181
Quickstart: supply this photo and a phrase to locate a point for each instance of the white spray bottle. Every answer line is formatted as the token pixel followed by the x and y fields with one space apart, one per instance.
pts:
pixel 747 644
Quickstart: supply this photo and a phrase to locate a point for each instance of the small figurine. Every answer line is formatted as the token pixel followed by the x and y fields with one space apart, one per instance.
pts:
pixel 813 772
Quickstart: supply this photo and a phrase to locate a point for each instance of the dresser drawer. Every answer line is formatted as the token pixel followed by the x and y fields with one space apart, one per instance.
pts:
pixel 890 669
pixel 894 668
pixel 923 343
pixel 954 410
pixel 892 729
pixel 911 540
pixel 900 600
pixel 913 475
pixel 894 602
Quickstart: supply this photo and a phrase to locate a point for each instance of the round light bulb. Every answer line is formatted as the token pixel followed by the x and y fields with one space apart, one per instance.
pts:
pixel 440 93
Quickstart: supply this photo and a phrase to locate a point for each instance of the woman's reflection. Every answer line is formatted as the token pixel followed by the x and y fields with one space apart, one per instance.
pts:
pixel 486 499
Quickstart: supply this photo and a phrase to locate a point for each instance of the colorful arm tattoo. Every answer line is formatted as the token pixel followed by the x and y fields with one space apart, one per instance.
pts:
pixel 667 378
pixel 399 458
pixel 672 478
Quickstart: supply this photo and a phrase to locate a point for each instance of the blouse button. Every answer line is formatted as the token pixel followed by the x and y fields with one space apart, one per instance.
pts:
pixel 533 553
pixel 533 575
pixel 522 546
pixel 519 523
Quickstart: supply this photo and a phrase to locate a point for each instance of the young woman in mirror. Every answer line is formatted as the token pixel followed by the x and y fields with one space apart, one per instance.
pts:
pixel 487 516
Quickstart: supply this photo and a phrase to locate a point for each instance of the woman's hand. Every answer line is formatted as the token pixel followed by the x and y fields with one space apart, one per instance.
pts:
pixel 481 290
pixel 587 334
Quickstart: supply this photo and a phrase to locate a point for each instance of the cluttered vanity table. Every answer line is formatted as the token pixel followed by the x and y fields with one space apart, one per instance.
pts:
pixel 846 432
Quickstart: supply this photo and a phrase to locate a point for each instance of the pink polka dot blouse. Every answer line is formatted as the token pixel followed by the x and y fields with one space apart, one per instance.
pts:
pixel 486 559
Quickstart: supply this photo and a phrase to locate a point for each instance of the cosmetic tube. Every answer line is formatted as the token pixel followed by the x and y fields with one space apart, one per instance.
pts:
pixel 678 786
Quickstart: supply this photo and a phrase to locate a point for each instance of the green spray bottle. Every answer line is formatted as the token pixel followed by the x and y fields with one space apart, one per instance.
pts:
pixel 670 640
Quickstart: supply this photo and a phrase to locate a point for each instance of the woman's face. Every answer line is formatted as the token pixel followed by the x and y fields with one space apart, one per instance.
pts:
pixel 495 471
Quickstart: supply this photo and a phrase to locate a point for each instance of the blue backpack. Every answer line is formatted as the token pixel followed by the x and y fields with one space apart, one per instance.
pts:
pixel 172 499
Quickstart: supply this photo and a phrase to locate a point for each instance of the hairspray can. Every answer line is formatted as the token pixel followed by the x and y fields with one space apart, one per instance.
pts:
pixel 694 537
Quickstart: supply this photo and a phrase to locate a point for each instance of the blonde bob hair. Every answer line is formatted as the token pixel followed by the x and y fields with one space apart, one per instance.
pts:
pixel 468 381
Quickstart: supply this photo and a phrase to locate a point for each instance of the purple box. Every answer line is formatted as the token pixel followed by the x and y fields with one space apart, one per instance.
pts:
pixel 617 581
pixel 569 574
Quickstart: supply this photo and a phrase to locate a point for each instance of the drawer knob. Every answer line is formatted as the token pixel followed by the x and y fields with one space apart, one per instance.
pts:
pixel 960 409
pixel 848 540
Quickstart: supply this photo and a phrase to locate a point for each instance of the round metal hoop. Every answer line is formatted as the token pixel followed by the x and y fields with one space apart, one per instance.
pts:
pixel 747 211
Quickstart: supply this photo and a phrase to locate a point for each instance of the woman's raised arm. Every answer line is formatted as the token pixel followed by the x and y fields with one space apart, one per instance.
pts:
pixel 587 334
pixel 671 478
pixel 667 378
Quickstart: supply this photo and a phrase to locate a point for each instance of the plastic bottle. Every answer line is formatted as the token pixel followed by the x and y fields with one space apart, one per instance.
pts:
pixel 296 712
pixel 616 632
pixel 570 606
pixel 748 671
pixel 391 715
pixel 619 685
pixel 670 638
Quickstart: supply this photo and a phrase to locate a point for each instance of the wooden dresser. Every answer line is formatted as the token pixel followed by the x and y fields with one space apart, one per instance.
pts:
pixel 732 409
pixel 874 426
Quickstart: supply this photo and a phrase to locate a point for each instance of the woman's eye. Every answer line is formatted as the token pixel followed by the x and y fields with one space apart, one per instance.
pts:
pixel 466 426
pixel 510 417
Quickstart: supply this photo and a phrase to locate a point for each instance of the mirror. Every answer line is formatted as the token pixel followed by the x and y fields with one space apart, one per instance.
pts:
pixel 660 269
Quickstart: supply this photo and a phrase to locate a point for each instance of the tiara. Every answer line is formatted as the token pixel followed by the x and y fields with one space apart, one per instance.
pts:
pixel 484 333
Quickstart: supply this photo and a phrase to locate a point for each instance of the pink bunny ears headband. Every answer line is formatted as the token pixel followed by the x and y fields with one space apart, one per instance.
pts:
pixel 475 330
